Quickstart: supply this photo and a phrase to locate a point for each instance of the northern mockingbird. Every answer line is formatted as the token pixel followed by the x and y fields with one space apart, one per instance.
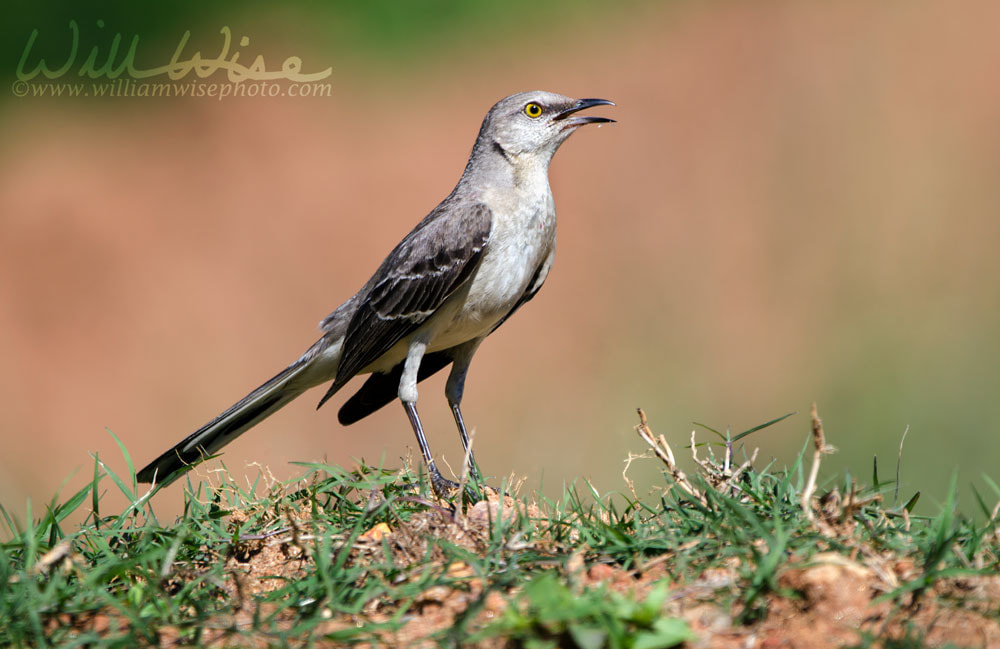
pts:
pixel 458 275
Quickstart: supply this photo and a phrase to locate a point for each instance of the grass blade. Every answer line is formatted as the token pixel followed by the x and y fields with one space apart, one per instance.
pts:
pixel 764 425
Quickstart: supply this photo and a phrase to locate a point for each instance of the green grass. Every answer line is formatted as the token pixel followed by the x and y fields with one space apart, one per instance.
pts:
pixel 126 579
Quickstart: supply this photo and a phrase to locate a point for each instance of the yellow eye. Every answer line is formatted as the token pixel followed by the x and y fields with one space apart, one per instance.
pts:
pixel 533 110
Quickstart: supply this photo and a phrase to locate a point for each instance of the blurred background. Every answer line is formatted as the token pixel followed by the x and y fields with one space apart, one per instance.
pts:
pixel 800 203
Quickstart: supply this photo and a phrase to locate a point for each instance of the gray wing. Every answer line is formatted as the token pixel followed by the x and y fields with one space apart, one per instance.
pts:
pixel 380 389
pixel 434 260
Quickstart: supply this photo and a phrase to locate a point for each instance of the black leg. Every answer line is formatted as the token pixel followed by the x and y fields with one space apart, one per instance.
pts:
pixel 460 422
pixel 462 356
pixel 442 486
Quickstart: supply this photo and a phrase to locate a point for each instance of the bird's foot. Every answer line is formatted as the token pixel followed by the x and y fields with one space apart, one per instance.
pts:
pixel 442 486
pixel 445 488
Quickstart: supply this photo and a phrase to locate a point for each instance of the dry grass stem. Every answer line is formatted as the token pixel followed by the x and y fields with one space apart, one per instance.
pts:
pixel 705 466
pixel 821 448
pixel 464 479
pixel 665 453
pixel 899 462
pixel 731 481
pixel 628 463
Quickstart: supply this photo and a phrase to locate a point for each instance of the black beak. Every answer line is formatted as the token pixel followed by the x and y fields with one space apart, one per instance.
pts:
pixel 580 120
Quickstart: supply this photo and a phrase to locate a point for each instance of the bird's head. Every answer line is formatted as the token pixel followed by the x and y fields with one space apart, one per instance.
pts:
pixel 535 123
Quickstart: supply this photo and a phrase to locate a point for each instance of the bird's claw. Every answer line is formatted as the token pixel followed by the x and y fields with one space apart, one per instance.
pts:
pixel 445 488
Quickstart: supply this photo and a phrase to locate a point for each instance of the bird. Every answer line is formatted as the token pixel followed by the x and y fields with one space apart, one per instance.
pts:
pixel 458 275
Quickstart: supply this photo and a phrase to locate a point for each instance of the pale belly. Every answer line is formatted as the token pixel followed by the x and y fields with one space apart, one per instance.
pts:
pixel 487 299
pixel 503 276
pixel 474 310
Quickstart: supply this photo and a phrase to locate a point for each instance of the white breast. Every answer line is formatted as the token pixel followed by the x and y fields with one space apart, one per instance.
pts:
pixel 520 241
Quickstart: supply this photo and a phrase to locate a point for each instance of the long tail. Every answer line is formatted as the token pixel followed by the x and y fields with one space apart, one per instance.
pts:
pixel 245 413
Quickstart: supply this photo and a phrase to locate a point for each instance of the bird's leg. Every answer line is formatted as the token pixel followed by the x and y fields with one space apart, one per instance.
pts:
pixel 442 485
pixel 454 390
pixel 408 395
pixel 456 410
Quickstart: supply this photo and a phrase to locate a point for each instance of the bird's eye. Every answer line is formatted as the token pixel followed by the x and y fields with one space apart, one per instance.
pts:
pixel 533 110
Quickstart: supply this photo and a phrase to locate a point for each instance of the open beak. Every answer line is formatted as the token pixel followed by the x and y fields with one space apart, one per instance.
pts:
pixel 571 119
